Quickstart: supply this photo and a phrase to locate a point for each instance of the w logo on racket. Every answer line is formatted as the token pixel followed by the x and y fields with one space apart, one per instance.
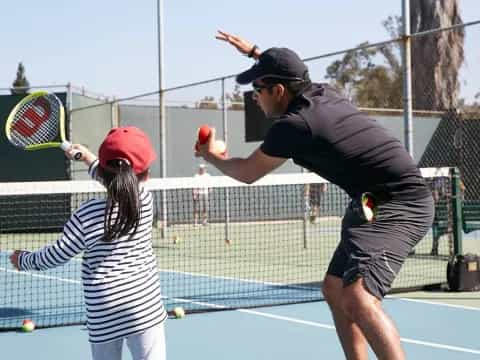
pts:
pixel 31 121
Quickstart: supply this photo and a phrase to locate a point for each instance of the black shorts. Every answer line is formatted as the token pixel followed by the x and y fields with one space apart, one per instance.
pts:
pixel 375 251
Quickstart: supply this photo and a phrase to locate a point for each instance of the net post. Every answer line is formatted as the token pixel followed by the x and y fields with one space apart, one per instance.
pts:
pixel 457 212
pixel 305 214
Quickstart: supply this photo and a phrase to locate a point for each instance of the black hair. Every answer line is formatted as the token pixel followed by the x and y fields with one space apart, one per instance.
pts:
pixel 294 87
pixel 123 209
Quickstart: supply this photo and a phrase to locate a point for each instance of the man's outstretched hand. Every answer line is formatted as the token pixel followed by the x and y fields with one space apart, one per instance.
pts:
pixel 243 46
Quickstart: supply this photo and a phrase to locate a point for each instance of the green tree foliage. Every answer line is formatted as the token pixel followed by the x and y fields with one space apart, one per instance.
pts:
pixel 372 76
pixel 20 84
pixel 207 102
pixel 236 99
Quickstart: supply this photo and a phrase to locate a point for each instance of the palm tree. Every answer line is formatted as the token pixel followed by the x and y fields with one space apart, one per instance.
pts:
pixel 436 58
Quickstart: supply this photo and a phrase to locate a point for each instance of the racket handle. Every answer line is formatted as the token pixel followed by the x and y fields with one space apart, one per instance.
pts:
pixel 77 155
pixel 66 145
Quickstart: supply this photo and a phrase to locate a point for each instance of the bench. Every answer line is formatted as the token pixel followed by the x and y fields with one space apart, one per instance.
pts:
pixel 470 219
pixel 440 221
pixel 470 216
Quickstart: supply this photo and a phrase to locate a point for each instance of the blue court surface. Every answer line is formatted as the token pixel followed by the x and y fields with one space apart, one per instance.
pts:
pixel 429 330
pixel 303 331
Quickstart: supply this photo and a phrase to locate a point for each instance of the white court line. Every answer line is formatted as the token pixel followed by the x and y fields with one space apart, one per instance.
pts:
pixel 429 302
pixel 330 327
pixel 283 318
pixel 440 346
pixel 327 326
pixel 24 273
pixel 312 288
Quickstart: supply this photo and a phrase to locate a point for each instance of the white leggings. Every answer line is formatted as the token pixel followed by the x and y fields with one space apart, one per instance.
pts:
pixel 147 345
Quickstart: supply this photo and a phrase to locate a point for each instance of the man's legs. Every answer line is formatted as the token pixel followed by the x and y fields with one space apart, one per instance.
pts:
pixel 351 337
pixel 195 211
pixel 359 317
pixel 204 210
pixel 364 266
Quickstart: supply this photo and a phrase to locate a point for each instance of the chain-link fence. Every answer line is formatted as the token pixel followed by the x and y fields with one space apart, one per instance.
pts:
pixel 445 115
pixel 445 101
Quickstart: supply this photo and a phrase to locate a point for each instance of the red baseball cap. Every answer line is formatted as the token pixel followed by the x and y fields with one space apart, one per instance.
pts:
pixel 128 143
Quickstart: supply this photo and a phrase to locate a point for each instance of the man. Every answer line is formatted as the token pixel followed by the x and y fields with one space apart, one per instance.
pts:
pixel 313 194
pixel 200 197
pixel 391 207
pixel 440 190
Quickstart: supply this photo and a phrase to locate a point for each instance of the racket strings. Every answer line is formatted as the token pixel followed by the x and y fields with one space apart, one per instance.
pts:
pixel 24 126
pixel 36 122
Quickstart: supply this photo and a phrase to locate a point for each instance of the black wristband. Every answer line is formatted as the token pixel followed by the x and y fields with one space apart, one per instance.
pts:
pixel 251 52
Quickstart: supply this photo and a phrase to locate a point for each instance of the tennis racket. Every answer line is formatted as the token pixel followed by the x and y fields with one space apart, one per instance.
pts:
pixel 38 122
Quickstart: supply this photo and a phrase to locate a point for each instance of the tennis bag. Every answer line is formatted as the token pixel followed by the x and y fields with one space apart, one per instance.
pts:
pixel 463 273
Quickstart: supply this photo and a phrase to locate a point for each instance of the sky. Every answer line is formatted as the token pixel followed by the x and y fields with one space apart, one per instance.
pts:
pixel 111 47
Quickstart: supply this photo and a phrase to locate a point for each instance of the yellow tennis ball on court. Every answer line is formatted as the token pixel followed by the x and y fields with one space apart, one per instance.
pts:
pixel 28 325
pixel 176 239
pixel 179 312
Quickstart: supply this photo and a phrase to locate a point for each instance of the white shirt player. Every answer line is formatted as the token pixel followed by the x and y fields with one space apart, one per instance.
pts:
pixel 203 189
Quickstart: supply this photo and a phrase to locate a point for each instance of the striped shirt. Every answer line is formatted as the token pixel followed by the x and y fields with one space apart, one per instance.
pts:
pixel 120 278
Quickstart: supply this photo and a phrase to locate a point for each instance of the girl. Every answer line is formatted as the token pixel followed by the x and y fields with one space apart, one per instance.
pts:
pixel 119 269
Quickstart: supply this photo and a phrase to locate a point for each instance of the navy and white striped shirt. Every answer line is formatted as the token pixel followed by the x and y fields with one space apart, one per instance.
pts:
pixel 120 278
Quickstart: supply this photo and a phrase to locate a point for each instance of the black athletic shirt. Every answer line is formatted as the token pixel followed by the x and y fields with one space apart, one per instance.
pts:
pixel 325 133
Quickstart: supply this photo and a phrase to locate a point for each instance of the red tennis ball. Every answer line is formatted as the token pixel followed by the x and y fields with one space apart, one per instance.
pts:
pixel 203 134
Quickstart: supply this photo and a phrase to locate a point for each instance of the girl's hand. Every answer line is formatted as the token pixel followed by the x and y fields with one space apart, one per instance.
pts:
pixel 15 257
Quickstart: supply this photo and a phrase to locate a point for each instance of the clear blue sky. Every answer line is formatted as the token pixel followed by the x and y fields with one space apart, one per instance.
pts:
pixel 110 47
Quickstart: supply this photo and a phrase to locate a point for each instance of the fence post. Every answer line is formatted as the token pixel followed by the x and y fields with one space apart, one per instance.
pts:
pixel 457 212
pixel 407 77
pixel 225 138
pixel 69 103
pixel 162 121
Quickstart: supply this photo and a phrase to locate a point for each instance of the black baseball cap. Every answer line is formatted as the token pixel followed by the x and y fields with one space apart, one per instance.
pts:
pixel 280 63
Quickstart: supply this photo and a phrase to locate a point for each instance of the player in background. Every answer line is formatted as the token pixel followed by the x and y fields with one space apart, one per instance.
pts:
pixel 200 196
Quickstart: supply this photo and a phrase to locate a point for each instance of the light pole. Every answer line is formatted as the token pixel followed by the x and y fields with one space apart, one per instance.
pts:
pixel 161 111
pixel 407 77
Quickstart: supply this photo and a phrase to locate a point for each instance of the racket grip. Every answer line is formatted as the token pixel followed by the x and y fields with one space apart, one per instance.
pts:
pixel 77 155
pixel 66 145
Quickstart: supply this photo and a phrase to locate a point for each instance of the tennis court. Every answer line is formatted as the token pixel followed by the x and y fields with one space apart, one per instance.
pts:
pixel 259 250
pixel 428 329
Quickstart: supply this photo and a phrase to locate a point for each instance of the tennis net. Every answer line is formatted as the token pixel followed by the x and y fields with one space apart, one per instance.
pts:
pixel 219 244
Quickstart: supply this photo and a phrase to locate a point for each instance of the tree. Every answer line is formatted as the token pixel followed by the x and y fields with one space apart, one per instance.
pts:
pixel 208 102
pixel 20 84
pixel 347 73
pixel 473 108
pixel 371 77
pixel 236 99
pixel 436 58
